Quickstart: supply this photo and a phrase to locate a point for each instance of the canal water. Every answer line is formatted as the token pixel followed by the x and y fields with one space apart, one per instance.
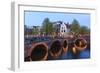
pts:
pixel 70 55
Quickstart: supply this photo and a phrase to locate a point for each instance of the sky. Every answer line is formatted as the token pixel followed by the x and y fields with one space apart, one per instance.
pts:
pixel 33 18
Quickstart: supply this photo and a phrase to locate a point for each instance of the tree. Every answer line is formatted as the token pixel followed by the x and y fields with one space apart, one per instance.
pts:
pixel 35 30
pixel 75 26
pixel 27 30
pixel 47 26
pixel 84 30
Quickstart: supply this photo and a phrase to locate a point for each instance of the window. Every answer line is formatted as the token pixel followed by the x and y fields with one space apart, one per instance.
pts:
pixel 64 30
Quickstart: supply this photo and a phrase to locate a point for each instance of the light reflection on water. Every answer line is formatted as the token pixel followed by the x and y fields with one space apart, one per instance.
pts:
pixel 80 55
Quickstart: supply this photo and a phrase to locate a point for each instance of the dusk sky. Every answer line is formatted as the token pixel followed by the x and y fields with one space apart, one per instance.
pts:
pixel 36 18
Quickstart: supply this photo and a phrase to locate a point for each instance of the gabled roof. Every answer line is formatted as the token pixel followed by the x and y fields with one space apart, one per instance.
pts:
pixel 59 23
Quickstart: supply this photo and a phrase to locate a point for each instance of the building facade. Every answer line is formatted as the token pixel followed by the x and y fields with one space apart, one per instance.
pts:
pixel 62 29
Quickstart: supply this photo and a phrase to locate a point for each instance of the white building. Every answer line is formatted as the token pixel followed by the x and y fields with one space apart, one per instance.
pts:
pixel 64 29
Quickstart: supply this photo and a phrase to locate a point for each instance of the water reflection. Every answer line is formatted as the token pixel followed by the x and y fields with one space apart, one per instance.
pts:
pixel 79 55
